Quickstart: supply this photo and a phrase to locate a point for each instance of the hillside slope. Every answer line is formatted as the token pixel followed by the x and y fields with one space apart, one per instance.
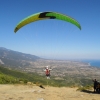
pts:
pixel 15 59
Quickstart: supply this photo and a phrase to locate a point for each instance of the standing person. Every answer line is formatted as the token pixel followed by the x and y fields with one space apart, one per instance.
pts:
pixel 47 72
pixel 95 85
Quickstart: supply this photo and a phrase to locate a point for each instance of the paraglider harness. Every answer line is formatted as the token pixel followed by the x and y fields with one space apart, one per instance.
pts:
pixel 47 72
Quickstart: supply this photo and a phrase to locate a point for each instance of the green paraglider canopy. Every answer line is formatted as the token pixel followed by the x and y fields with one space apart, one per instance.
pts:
pixel 46 15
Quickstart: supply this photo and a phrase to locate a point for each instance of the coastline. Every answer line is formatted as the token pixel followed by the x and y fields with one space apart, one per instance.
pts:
pixel 93 63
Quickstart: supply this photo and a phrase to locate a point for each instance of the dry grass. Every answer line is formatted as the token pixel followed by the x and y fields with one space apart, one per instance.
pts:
pixel 25 92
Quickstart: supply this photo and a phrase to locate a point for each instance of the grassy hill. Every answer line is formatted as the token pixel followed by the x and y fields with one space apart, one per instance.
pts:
pixel 14 76
pixel 10 76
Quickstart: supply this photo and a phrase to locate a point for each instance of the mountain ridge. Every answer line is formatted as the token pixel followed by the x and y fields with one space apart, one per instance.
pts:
pixel 62 70
pixel 14 58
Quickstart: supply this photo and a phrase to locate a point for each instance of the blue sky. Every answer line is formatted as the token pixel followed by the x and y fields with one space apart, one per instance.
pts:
pixel 52 38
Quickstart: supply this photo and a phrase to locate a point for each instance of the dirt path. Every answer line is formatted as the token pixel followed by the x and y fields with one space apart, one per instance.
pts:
pixel 25 92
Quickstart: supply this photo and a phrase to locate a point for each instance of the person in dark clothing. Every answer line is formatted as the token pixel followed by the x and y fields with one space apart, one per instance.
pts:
pixel 95 85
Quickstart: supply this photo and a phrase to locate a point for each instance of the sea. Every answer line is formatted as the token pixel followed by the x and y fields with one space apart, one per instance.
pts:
pixel 93 63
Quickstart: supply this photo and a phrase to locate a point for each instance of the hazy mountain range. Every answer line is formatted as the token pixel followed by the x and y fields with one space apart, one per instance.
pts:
pixel 61 68
pixel 14 59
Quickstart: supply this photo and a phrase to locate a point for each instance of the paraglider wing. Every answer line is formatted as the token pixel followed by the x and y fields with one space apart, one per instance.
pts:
pixel 46 15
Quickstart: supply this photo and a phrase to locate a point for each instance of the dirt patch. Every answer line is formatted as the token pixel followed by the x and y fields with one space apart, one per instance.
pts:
pixel 25 92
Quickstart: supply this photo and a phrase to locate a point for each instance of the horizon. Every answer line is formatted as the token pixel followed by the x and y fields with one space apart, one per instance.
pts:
pixel 70 59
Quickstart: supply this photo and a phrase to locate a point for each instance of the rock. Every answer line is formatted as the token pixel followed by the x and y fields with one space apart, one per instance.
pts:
pixel 40 99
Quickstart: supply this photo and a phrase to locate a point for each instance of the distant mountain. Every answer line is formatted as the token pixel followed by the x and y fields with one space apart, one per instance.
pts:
pixel 14 59
pixel 66 71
